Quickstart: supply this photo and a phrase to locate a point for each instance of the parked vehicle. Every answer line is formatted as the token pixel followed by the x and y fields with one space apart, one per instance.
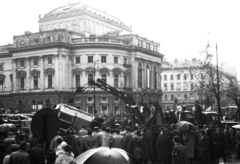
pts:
pixel 19 120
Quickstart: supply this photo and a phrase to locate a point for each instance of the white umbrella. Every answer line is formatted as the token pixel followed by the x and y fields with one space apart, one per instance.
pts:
pixel 236 126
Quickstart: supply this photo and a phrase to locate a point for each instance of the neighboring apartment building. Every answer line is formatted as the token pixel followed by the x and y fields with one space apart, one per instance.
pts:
pixel 180 84
pixel 77 43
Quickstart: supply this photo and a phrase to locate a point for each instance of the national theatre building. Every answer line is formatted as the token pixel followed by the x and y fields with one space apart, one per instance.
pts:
pixel 76 43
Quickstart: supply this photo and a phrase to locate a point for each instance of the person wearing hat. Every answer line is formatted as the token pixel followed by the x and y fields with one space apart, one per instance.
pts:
pixel 13 148
pixel 218 144
pixel 9 141
pixel 20 156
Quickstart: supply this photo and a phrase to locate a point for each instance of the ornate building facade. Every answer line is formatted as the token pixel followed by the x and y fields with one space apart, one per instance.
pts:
pixel 76 43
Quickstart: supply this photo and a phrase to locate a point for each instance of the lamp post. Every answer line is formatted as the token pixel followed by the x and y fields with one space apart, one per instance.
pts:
pixel 94 91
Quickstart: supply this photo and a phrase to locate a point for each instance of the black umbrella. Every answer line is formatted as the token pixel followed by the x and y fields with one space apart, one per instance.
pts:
pixel 105 155
pixel 185 125
pixel 7 127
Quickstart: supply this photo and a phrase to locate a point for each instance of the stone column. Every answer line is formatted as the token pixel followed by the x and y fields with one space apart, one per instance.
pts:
pixel 15 80
pixel 28 76
pixel 56 81
pixel 60 72
pixel 42 75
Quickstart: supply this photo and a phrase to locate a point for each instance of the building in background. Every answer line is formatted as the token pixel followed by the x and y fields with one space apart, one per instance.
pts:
pixel 180 84
pixel 76 43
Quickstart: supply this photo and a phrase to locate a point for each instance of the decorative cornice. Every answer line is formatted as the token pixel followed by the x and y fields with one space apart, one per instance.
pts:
pixel 117 71
pixel 89 70
pixel 77 71
pixel 21 73
pixel 35 72
pixel 104 70
pixel 49 71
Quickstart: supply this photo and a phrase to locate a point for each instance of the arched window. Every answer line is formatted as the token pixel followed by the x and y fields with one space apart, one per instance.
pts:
pixel 104 77
pixel 172 97
pixel 48 103
pixel 50 81
pixel 34 105
pixel 139 75
pixel 165 97
pixel 155 78
pixel 185 96
pixel 148 76
pixel 20 106
pixel 115 81
pixel 77 80
pixel 90 76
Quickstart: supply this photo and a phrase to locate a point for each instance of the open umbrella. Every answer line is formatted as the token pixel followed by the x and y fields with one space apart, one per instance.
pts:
pixel 236 126
pixel 185 125
pixel 105 155
pixel 7 127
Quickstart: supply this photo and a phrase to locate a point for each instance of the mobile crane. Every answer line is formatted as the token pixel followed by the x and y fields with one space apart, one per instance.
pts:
pixel 155 116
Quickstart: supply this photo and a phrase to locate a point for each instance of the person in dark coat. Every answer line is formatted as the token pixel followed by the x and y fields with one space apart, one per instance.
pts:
pixel 203 149
pixel 147 145
pixel 218 142
pixel 128 141
pixel 179 154
pixel 138 146
pixel 164 146
pixel 198 112
pixel 21 156
pixel 117 141
pixel 37 153
pixel 211 146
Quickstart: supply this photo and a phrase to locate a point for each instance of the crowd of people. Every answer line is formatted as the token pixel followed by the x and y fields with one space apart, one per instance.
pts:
pixel 166 144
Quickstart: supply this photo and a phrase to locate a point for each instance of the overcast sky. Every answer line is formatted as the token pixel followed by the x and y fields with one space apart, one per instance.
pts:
pixel 182 27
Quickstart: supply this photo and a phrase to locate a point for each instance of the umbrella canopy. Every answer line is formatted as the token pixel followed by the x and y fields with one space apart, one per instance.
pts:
pixel 185 125
pixel 7 127
pixel 236 126
pixel 105 155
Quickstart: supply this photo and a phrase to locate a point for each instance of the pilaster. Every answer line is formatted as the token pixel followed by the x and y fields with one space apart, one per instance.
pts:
pixel 14 63
pixel 42 75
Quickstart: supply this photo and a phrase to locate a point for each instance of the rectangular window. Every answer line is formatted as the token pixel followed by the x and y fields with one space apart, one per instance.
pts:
pixel 140 43
pixel 35 82
pixel 90 59
pixel 172 87
pixel 1 86
pixel 171 77
pixel 178 76
pixel 78 60
pixel 154 48
pixel 165 77
pixel 116 108
pixel 104 99
pixel 90 99
pixel 125 81
pixel 178 86
pixel 103 59
pixel 22 80
pixel 50 81
pixel 115 60
pixel 147 45
pixel 35 61
pixel 1 67
pixel 77 81
pixel 104 109
pixel 165 87
pixel 185 76
pixel 185 86
pixel 116 99
pixel 49 60
pixel 115 81
pixel 90 109
pixel 125 60
pixel 22 63
pixel 49 38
